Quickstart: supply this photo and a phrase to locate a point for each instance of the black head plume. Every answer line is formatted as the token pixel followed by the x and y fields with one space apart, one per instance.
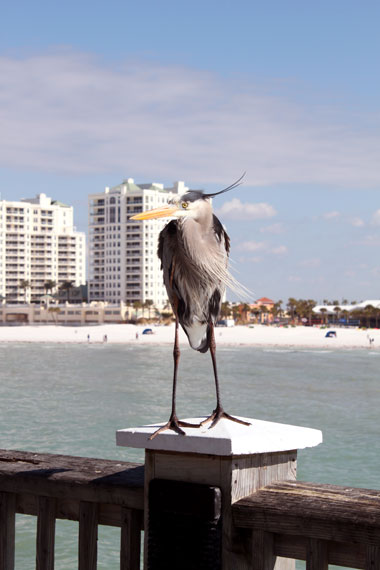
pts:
pixel 231 187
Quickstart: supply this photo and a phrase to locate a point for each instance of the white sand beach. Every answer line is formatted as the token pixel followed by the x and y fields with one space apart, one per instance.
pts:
pixel 300 336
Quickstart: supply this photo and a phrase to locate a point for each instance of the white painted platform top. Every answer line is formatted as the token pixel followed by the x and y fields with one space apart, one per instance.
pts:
pixel 226 438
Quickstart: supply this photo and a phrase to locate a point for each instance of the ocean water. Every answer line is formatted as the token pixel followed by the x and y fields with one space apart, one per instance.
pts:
pixel 71 399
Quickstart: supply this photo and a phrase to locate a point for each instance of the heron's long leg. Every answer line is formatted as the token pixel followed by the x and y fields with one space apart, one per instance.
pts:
pixel 219 412
pixel 174 423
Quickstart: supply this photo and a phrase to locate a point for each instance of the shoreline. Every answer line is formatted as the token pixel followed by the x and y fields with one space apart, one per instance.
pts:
pixel 256 336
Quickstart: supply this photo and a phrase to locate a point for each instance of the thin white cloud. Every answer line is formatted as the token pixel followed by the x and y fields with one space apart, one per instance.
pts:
pixel 262 246
pixel 252 246
pixel 279 250
pixel 67 112
pixel 331 215
pixel 235 209
pixel 356 222
pixel 273 229
pixel 311 262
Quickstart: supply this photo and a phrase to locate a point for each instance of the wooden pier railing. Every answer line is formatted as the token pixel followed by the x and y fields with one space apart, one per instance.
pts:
pixel 322 524
pixel 91 491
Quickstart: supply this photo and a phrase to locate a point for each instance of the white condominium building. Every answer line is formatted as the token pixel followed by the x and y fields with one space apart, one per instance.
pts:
pixel 123 253
pixel 38 244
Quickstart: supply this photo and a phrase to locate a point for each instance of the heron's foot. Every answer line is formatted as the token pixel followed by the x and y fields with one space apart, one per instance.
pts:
pixel 175 424
pixel 219 414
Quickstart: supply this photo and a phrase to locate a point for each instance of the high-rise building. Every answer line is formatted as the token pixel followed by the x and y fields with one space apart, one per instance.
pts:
pixel 38 244
pixel 123 253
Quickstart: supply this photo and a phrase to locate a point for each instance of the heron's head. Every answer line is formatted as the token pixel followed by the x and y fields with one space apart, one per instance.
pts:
pixel 193 204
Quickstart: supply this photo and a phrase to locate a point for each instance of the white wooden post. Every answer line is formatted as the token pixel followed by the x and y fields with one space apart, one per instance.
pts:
pixel 236 458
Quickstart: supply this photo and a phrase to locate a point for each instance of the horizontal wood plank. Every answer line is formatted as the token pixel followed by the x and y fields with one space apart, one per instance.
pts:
pixel 339 553
pixel 325 512
pixel 67 509
pixel 72 478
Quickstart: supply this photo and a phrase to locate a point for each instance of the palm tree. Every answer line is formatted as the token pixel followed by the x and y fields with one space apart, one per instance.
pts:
pixel 244 310
pixel 324 314
pixel 370 311
pixel 54 313
pixel 301 309
pixel 256 312
pixel 24 284
pixel 263 311
pixel 235 312
pixel 291 305
pixel 67 286
pixel 276 309
pixel 377 315
pixel 225 310
pixel 149 304
pixel 357 314
pixel 137 305
pixel 49 286
pixel 345 313
pixel 337 310
pixel 310 306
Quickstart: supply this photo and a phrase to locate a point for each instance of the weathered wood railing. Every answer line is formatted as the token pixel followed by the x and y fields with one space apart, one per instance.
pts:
pixel 91 491
pixel 322 524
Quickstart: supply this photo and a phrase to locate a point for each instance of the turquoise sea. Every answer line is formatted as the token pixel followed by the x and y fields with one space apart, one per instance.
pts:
pixel 71 399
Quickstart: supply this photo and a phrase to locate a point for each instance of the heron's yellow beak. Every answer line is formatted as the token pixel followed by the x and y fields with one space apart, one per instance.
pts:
pixel 162 212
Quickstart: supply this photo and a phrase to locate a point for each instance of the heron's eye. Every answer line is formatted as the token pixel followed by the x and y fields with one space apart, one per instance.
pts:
pixel 185 205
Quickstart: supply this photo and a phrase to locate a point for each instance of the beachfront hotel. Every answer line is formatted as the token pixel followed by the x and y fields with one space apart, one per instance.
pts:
pixel 123 262
pixel 38 244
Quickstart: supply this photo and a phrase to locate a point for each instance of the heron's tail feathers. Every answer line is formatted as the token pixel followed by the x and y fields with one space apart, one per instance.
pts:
pixel 236 287
pixel 242 292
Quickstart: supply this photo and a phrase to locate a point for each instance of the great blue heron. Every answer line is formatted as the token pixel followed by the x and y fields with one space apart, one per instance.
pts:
pixel 194 249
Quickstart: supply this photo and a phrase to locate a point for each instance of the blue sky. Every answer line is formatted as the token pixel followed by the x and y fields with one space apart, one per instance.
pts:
pixel 288 91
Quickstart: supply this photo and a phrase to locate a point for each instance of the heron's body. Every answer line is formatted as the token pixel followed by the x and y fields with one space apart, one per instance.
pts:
pixel 185 248
pixel 194 252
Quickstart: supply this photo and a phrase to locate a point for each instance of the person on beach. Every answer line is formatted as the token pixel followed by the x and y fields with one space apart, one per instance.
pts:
pixel 371 340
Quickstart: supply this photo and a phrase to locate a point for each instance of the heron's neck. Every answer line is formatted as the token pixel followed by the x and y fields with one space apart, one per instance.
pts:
pixel 198 235
pixel 204 218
